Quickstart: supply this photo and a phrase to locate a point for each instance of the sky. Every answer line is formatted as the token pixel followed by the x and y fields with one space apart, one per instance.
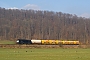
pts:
pixel 78 7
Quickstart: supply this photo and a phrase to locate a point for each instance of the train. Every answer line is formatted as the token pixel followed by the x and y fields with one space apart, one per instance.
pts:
pixel 48 42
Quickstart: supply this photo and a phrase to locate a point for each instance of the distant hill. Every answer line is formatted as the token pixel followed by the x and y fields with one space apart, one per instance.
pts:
pixel 32 24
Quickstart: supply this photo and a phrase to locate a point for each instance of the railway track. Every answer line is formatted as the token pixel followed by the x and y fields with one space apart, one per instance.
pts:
pixel 36 46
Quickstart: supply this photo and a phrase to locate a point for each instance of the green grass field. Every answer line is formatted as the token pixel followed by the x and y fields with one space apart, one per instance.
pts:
pixel 7 42
pixel 44 54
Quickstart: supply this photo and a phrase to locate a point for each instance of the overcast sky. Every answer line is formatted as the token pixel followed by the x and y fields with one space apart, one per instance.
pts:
pixel 78 7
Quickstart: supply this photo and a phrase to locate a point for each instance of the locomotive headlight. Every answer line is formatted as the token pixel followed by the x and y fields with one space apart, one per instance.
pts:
pixel 17 41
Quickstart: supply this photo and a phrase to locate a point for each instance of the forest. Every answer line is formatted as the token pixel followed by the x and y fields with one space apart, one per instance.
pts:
pixel 37 24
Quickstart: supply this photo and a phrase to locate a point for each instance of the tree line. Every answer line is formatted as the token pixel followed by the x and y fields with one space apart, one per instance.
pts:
pixel 33 24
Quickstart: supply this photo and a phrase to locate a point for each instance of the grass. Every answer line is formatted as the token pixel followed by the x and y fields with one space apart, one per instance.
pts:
pixel 44 54
pixel 7 42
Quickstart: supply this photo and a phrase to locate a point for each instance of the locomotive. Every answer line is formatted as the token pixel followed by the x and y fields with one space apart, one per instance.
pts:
pixel 47 42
